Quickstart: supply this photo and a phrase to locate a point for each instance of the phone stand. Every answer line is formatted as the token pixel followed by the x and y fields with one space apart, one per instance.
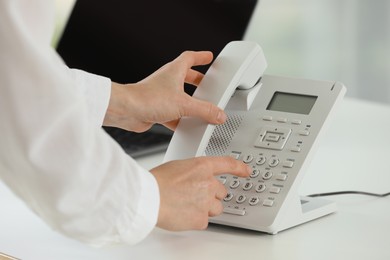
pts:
pixel 303 210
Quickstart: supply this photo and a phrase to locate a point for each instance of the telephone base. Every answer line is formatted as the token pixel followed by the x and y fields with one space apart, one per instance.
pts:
pixel 308 210
pixel 302 210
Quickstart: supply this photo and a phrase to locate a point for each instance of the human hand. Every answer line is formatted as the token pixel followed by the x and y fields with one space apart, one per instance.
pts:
pixel 160 98
pixel 189 191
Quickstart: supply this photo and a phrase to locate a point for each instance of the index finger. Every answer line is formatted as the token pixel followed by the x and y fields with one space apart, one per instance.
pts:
pixel 195 58
pixel 228 165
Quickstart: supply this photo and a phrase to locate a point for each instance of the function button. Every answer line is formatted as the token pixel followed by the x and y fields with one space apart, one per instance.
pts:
pixel 241 199
pixel 248 186
pixel 267 118
pixel 261 160
pixel 267 175
pixel 288 164
pixel 270 132
pixel 239 212
pixel 275 190
pixel 235 155
pixel 254 201
pixel 228 197
pixel 260 187
pixel 268 203
pixel 222 179
pixel 272 137
pixel 273 162
pixel 304 132
pixel 296 122
pixel 281 177
pixel 248 158
pixel 255 173
pixel 295 149
pixel 234 184
pixel 282 120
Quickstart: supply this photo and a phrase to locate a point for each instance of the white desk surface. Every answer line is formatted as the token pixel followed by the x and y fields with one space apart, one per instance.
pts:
pixel 355 155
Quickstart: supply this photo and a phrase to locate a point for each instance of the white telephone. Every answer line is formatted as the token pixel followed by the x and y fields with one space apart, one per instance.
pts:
pixel 274 125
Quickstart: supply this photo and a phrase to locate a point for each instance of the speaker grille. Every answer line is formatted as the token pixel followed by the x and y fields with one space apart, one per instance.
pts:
pixel 223 135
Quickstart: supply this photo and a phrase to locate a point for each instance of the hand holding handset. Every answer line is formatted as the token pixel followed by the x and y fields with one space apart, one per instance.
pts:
pixel 273 125
pixel 239 65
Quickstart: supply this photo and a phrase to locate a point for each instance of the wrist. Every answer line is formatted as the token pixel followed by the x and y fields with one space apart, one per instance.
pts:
pixel 125 108
pixel 113 108
pixel 118 107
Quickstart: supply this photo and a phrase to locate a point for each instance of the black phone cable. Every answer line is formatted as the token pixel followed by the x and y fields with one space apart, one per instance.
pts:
pixel 348 192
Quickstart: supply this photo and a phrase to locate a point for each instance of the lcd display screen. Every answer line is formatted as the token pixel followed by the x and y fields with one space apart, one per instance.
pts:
pixel 292 103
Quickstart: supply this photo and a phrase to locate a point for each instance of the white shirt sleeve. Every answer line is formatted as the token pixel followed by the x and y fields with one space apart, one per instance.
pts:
pixel 53 153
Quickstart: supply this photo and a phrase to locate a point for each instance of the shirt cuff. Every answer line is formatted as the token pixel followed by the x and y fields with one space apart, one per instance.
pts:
pixel 134 229
pixel 96 90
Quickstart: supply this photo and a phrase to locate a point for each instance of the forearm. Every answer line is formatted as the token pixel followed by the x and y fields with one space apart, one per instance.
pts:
pixel 54 154
pixel 77 179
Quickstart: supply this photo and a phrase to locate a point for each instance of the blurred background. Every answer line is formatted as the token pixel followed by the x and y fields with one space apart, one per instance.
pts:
pixel 343 40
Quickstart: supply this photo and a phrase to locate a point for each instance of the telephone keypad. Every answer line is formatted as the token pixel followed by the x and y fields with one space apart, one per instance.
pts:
pixel 267 175
pixel 234 184
pixel 241 199
pixel 261 188
pixel 247 186
pixel 255 173
pixel 248 158
pixel 254 201
pixel 261 160
pixel 270 168
pixel 273 162
pixel 229 197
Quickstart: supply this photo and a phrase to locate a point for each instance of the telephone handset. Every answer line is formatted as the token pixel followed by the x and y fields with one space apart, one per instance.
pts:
pixel 240 64
pixel 274 125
